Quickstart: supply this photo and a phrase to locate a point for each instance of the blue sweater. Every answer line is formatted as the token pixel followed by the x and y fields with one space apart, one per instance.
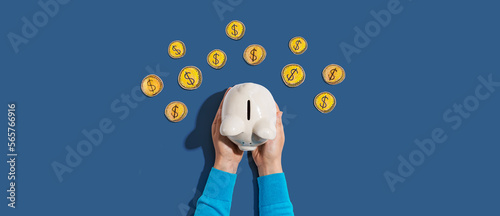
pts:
pixel 218 194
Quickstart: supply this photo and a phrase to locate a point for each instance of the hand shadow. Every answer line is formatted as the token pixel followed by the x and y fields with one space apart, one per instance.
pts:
pixel 255 175
pixel 201 137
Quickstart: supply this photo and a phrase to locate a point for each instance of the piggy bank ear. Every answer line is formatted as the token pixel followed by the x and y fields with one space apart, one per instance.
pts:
pixel 265 129
pixel 231 126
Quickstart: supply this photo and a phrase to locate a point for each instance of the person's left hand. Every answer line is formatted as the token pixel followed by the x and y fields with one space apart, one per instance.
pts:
pixel 227 154
pixel 267 157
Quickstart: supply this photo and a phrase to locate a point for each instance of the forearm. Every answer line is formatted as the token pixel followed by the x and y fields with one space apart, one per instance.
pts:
pixel 218 194
pixel 273 195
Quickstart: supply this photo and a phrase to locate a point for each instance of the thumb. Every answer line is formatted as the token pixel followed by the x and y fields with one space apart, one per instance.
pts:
pixel 279 116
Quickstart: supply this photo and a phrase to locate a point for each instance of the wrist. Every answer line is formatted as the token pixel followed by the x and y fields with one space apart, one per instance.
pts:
pixel 226 165
pixel 270 168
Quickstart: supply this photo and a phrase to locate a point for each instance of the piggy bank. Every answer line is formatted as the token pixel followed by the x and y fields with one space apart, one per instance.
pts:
pixel 248 116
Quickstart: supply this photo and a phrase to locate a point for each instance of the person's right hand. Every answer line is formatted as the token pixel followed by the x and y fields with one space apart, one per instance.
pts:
pixel 267 157
pixel 227 154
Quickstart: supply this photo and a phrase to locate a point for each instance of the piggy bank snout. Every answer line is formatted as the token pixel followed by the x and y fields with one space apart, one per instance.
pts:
pixel 247 136
pixel 232 126
pixel 265 130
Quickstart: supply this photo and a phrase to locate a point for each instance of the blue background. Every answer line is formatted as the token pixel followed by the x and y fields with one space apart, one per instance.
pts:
pixel 396 90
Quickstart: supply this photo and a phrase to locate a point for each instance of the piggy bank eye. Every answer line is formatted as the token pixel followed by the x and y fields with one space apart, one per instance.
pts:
pixel 248 110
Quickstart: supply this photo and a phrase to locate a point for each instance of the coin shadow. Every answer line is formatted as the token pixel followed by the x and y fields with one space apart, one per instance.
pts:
pixel 255 175
pixel 201 137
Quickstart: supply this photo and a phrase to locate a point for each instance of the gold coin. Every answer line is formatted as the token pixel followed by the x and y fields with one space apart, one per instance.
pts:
pixel 293 75
pixel 235 30
pixel 176 49
pixel 254 54
pixel 298 45
pixel 333 74
pixel 151 85
pixel 190 78
pixel 176 111
pixel 325 102
pixel 217 58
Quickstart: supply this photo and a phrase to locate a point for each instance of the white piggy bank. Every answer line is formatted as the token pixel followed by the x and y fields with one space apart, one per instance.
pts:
pixel 248 116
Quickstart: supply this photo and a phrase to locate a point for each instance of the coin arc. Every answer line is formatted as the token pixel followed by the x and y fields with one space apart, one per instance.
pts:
pixel 240 33
pixel 325 109
pixel 249 53
pixel 301 74
pixel 174 55
pixel 168 111
pixel 327 74
pixel 146 83
pixel 221 64
pixel 293 43
pixel 198 79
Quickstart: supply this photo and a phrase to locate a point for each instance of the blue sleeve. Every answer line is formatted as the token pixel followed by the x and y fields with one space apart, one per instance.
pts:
pixel 218 194
pixel 273 195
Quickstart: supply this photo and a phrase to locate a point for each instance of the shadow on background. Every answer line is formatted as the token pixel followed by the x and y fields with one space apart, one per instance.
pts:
pixel 255 175
pixel 201 137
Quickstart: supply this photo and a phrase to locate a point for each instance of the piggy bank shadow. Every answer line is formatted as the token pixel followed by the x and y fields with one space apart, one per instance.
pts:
pixel 201 137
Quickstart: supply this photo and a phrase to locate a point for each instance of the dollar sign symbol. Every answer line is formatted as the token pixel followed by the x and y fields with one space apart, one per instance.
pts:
pixel 216 61
pixel 190 80
pixel 152 87
pixel 177 52
pixel 174 111
pixel 235 32
pixel 323 104
pixel 253 57
pixel 332 75
pixel 291 76
pixel 296 47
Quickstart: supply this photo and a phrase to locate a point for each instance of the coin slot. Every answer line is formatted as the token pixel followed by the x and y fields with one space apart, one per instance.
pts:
pixel 248 110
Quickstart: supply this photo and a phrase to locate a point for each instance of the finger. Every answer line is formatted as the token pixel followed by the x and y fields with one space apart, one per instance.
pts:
pixel 227 91
pixel 256 152
pixel 279 116
pixel 215 123
pixel 277 107
pixel 215 117
pixel 279 122
pixel 279 126
pixel 219 118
